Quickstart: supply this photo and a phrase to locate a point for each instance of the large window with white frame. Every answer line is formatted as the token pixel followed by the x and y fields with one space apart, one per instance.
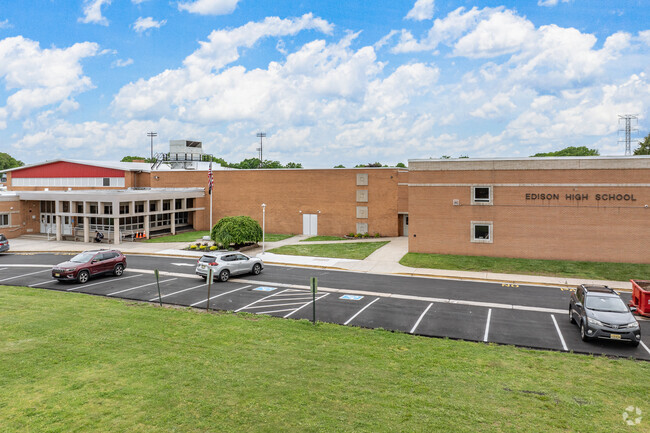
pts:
pixel 481 232
pixel 482 194
pixel 4 219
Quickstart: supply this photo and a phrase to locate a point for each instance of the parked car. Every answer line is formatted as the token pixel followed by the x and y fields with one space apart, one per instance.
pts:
pixel 89 264
pixel 4 243
pixel 224 265
pixel 601 313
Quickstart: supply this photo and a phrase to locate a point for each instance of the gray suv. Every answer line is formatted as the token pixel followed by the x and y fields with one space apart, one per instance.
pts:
pixel 4 243
pixel 601 313
pixel 224 265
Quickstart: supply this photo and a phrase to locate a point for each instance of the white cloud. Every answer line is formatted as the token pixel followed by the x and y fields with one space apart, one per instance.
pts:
pixel 93 12
pixel 41 77
pixel 144 24
pixel 120 63
pixel 137 2
pixel 422 10
pixel 209 7
pixel 550 3
pixel 5 24
pixel 644 36
pixel 502 33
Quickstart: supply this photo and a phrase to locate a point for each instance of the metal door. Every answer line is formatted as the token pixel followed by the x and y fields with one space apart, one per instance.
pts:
pixel 310 224
pixel 406 225
pixel 67 226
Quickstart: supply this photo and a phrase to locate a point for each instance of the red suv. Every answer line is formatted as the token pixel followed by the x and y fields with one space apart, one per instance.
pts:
pixel 89 264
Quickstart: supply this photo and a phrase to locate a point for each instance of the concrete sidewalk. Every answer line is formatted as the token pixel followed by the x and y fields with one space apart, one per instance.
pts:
pixel 385 260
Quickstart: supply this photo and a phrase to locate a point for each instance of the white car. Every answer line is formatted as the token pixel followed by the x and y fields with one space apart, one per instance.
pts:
pixel 224 265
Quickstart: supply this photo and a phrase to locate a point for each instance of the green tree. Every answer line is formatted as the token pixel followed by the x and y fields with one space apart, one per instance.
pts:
pixel 644 147
pixel 237 230
pixel 131 158
pixel 339 166
pixel 293 165
pixel 371 164
pixel 445 157
pixel 7 162
pixel 571 151
pixel 400 165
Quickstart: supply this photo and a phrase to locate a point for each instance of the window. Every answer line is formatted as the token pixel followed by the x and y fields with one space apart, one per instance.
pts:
pixel 106 181
pixel 124 208
pixel 481 232
pixel 178 203
pixel 190 203
pixel 167 205
pixel 4 219
pixel 153 205
pixel 481 195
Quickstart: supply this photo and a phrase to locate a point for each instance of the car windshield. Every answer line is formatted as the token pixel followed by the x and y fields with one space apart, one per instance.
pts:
pixel 207 259
pixel 606 303
pixel 82 258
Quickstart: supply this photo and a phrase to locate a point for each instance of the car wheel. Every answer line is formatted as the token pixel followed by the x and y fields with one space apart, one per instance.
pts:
pixel 83 277
pixel 224 275
pixel 257 268
pixel 204 277
pixel 571 315
pixel 583 332
pixel 119 270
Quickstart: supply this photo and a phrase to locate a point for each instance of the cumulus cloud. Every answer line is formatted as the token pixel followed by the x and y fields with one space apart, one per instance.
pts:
pixel 144 24
pixel 5 24
pixel 120 63
pixel 209 7
pixel 93 12
pixel 550 3
pixel 42 77
pixel 422 10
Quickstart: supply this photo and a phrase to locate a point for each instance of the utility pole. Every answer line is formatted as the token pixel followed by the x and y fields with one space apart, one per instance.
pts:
pixel 152 135
pixel 261 135
pixel 627 130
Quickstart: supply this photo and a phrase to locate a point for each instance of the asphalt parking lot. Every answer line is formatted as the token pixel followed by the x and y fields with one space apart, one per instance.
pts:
pixel 528 316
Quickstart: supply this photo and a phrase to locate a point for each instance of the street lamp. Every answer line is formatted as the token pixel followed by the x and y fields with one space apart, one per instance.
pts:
pixel 263 224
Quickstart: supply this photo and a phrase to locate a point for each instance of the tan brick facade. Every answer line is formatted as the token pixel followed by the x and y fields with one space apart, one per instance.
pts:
pixel 557 212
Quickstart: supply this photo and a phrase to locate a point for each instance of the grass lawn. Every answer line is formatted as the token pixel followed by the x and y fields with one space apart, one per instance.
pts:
pixel 73 362
pixel 193 236
pixel 324 238
pixel 356 250
pixel 558 268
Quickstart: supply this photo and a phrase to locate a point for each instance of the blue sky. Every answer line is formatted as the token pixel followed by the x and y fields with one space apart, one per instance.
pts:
pixel 329 82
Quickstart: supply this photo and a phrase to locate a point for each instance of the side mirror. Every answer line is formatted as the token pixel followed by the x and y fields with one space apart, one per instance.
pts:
pixel 633 309
pixel 578 304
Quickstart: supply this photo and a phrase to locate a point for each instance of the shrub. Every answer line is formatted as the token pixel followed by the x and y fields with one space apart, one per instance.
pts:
pixel 238 230
pixel 351 234
pixel 377 235
pixel 192 247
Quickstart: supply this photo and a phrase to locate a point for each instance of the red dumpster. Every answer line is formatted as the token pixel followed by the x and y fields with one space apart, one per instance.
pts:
pixel 641 297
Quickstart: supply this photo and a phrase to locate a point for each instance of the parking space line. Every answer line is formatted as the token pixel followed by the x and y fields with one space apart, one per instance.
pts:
pixel 361 311
pixel 259 300
pixel 180 291
pixel 557 328
pixel 420 319
pixel 83 286
pixel 308 303
pixel 216 296
pixel 274 311
pixel 487 326
pixel 275 305
pixel 24 275
pixel 139 287
pixel 644 346
pixel 50 281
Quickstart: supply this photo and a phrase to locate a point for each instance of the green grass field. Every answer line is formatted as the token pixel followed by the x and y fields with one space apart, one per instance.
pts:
pixel 356 250
pixel 323 238
pixel 73 362
pixel 556 268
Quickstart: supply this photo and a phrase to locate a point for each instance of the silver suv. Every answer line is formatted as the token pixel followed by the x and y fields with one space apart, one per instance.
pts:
pixel 601 313
pixel 224 265
pixel 4 243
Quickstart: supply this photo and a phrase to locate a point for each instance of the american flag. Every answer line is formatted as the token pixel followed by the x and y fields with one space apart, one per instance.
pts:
pixel 210 180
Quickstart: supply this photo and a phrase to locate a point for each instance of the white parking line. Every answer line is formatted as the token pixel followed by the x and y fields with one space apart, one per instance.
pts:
pixel 274 311
pixel 24 275
pixel 139 287
pixel 180 291
pixel 50 281
pixel 83 286
pixel 557 328
pixel 260 300
pixel 308 303
pixel 360 311
pixel 487 326
pixel 276 305
pixel 644 346
pixel 216 296
pixel 420 319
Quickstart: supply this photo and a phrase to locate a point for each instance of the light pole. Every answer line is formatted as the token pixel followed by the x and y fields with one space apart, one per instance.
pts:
pixel 261 135
pixel 152 135
pixel 263 224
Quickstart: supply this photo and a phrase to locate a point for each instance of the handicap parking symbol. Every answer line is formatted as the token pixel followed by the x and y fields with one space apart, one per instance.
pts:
pixel 264 289
pixel 351 297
